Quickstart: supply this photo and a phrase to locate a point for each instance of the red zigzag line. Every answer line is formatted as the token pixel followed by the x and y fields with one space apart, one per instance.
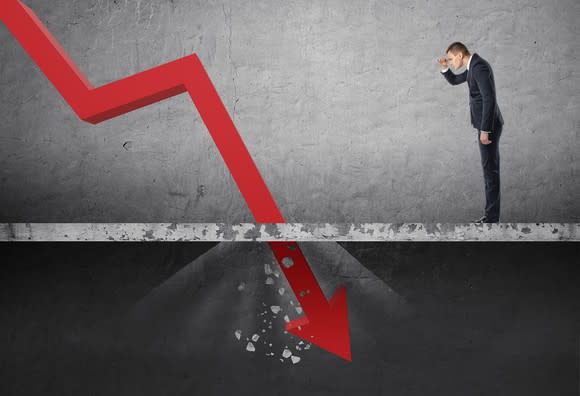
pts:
pixel 327 323
pixel 95 105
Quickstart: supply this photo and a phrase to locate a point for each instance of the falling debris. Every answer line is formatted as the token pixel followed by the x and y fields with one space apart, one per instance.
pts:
pixel 291 302
pixel 299 310
pixel 281 291
pixel 255 337
pixel 286 319
pixel 275 309
pixel 238 334
pixel 269 281
pixel 287 262
pixel 276 274
pixel 295 359
pixel 250 347
pixel 242 286
pixel 267 269
pixel 286 353
pixel 301 342
pixel 307 346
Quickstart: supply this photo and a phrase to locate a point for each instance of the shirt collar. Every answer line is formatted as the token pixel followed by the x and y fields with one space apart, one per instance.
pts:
pixel 469 61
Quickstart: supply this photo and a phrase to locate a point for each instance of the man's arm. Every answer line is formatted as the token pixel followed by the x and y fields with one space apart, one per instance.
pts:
pixel 482 76
pixel 454 79
pixel 449 76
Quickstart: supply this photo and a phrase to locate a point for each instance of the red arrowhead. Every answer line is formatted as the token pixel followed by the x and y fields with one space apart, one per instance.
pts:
pixel 329 330
pixel 325 323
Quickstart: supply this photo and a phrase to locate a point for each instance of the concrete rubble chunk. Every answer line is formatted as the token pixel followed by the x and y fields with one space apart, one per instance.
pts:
pixel 295 359
pixel 286 353
pixel 281 291
pixel 238 334
pixel 275 308
pixel 255 337
pixel 269 281
pixel 250 347
pixel 267 269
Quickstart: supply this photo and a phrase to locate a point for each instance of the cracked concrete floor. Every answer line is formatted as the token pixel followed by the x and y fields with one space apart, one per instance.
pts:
pixel 426 318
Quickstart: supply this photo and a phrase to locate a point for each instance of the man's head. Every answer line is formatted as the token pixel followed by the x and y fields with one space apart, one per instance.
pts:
pixel 457 55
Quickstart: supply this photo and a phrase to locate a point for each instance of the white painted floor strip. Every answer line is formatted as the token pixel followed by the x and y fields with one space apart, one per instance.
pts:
pixel 218 232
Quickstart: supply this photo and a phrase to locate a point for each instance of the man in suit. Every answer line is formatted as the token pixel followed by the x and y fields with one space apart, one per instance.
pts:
pixel 485 117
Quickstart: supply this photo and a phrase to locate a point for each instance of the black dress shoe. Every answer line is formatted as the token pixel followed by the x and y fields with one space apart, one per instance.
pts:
pixel 486 220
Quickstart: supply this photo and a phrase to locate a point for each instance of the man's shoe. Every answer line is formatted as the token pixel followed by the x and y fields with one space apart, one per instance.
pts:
pixel 481 221
pixel 486 220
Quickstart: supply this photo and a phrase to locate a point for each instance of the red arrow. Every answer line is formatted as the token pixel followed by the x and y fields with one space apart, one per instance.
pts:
pixel 326 324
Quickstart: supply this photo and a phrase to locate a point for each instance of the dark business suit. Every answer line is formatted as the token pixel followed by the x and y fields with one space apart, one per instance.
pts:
pixel 485 116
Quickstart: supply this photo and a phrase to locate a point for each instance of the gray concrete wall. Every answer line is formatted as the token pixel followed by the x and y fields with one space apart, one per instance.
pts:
pixel 340 103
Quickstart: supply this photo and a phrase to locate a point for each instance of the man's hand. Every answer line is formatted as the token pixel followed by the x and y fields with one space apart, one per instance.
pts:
pixel 484 138
pixel 443 63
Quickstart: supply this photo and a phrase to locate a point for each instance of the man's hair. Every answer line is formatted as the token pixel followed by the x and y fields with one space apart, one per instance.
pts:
pixel 458 47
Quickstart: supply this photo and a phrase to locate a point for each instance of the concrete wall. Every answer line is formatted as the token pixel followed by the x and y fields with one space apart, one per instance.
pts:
pixel 340 103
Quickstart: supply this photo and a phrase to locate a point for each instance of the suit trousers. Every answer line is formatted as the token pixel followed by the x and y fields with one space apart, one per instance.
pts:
pixel 490 164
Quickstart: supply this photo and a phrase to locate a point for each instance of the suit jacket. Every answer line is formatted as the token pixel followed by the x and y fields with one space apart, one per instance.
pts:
pixel 485 113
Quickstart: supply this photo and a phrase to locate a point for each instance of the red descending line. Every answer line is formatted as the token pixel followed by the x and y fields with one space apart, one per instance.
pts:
pixel 326 324
pixel 119 97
